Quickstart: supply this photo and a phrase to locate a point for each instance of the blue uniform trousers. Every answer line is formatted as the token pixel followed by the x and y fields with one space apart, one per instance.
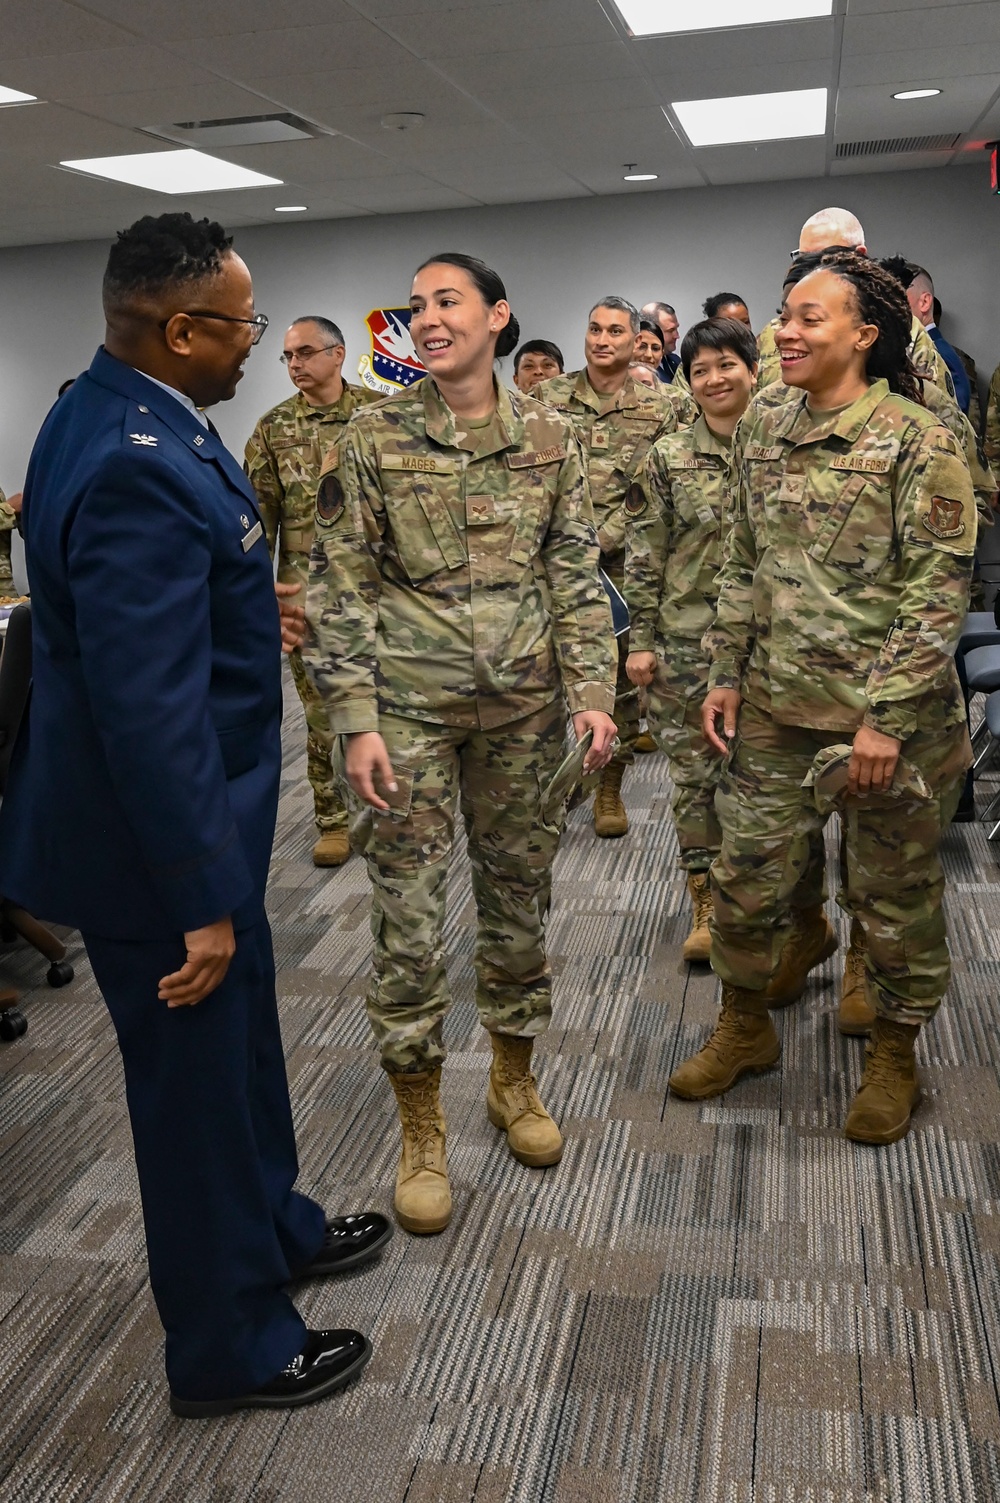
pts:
pixel 215 1151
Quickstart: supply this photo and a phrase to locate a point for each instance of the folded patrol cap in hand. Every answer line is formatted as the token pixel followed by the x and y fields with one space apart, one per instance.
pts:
pixel 827 777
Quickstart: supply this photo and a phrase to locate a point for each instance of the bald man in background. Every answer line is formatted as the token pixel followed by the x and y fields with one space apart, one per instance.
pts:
pixel 839 229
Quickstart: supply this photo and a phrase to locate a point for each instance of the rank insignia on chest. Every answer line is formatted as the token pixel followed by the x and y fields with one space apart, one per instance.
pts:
pixel 944 518
pixel 144 440
pixel 480 511
pixel 600 438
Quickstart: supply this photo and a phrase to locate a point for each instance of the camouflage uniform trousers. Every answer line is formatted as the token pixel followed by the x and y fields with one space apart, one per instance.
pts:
pixel 498 778
pixel 893 881
pixel 626 711
pixel 327 799
pixel 675 698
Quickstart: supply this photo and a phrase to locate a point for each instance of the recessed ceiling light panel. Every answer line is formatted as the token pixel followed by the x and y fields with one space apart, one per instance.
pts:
pixel 641 177
pixel 916 93
pixel 659 18
pixel 753 117
pixel 14 96
pixel 172 172
pixel 290 208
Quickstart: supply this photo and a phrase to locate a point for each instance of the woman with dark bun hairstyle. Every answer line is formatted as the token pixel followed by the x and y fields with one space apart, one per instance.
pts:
pixel 455 618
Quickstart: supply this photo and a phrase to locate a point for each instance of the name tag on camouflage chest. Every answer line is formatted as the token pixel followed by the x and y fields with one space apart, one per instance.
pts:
pixel 422 464
pixel 862 464
pixel 761 451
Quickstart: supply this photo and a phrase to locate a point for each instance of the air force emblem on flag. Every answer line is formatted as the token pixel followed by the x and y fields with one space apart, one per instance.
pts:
pixel 393 363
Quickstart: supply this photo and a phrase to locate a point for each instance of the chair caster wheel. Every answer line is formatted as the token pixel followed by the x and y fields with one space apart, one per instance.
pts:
pixel 60 973
pixel 13 1025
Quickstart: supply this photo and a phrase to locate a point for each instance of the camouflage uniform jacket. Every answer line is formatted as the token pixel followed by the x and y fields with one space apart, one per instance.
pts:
pixel 674 547
pixel 991 428
pixel 846 578
pixel 940 404
pixel 975 413
pixel 283 460
pixel 768 364
pixel 453 577
pixel 616 433
pixel 8 521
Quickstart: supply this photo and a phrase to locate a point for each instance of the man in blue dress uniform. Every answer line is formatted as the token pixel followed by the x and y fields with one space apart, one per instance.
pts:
pixel 141 805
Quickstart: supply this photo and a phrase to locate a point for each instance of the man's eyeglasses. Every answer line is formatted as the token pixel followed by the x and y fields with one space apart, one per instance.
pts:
pixel 797 254
pixel 257 324
pixel 287 356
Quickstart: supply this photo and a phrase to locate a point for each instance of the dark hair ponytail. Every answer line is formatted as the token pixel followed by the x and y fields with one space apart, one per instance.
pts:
pixel 881 301
pixel 490 288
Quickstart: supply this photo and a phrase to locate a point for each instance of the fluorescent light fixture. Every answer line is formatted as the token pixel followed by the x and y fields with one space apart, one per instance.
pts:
pixel 641 177
pixel 14 96
pixel 290 208
pixel 659 18
pixel 183 171
pixel 753 117
pixel 916 93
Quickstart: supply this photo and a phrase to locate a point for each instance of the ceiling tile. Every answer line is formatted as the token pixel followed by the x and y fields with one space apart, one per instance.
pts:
pixel 770 161
pixel 485 30
pixel 65 75
pixel 255 54
pixel 910 68
pixel 753 47
pixel 927 27
pixel 43 28
pixel 169 19
pixel 403 194
pixel 871 111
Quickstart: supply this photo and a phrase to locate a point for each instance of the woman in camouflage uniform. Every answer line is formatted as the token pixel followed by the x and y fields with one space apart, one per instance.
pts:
pixel 455 614
pixel 843 593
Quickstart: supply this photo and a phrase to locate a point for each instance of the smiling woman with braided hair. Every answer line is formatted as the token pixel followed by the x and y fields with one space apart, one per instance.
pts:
pixel 843 593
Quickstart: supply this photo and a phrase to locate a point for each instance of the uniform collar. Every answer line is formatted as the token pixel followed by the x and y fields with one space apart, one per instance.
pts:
pixel 342 407
pixel 441 424
pixel 625 396
pixel 848 424
pixel 704 441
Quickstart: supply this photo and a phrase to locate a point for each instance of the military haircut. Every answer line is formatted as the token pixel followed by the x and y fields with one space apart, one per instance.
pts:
pixel 719 334
pixel 713 305
pixel 540 347
pixel 619 305
pixel 330 330
pixel 662 308
pixel 162 251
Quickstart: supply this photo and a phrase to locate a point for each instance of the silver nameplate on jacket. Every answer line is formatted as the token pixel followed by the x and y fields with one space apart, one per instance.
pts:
pixel 252 537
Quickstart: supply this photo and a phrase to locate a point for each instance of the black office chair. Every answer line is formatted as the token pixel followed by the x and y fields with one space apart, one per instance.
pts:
pixel 15 686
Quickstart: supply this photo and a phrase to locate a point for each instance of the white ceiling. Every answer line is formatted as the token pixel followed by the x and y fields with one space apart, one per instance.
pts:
pixel 523 99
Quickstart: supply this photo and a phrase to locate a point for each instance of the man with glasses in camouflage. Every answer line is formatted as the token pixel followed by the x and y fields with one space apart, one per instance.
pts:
pixel 283 460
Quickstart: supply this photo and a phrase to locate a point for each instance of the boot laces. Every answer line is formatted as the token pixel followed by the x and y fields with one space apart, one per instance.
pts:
pixel 727 1031
pixel 702 906
pixel 518 1085
pixel 422 1125
pixel 856 962
pixel 886 1062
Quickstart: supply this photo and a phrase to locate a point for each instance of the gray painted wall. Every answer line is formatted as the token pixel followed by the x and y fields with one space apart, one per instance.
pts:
pixel 556 259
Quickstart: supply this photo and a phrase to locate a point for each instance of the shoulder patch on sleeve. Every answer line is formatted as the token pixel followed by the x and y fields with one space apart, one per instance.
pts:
pixel 635 500
pixel 330 498
pixel 944 518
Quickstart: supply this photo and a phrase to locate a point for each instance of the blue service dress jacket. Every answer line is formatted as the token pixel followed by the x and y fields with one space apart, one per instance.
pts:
pixel 142 794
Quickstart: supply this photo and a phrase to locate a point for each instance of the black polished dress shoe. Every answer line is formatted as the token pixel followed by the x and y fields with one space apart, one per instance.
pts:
pixel 348 1242
pixel 328 1361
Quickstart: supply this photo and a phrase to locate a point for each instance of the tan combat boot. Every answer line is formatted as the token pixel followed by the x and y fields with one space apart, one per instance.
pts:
pixel 855 1015
pixel 610 818
pixel 512 1104
pixel 812 941
pixel 332 848
pixel 698 944
pixel 889 1090
pixel 423 1195
pixel 744 1041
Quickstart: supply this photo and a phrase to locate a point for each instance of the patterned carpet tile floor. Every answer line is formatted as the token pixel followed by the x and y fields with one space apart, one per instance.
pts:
pixel 718 1304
